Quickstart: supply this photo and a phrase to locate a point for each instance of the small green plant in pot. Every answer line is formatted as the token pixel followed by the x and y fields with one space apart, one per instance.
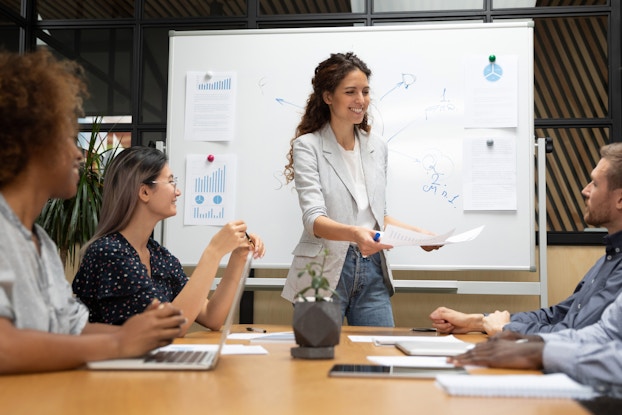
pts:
pixel 317 318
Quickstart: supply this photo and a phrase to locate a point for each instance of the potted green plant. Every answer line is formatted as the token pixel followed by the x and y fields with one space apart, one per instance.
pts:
pixel 71 222
pixel 317 318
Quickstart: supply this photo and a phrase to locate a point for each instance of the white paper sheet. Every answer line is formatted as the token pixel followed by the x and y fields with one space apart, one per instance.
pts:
pixel 556 385
pixel 412 361
pixel 491 95
pixel 210 106
pixel 209 194
pixel 489 173
pixel 391 340
pixel 285 336
pixel 396 236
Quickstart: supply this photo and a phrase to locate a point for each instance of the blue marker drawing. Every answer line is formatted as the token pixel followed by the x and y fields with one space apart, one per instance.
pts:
pixel 444 106
pixel 217 199
pixel 199 199
pixel 436 183
pixel 407 80
pixel 438 167
pixel 283 102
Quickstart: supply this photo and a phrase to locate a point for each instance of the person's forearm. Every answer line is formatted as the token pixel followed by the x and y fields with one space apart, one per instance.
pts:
pixel 593 364
pixel 100 328
pixel 192 298
pixel 475 322
pixel 214 313
pixel 33 351
pixel 327 228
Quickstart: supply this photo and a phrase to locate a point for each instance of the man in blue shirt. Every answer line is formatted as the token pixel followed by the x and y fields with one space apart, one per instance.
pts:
pixel 600 286
pixel 591 354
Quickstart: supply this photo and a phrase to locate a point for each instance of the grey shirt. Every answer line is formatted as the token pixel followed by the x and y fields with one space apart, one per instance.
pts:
pixel 599 288
pixel 591 355
pixel 34 293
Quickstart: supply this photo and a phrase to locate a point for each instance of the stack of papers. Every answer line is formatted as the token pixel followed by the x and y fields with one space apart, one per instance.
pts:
pixel 556 385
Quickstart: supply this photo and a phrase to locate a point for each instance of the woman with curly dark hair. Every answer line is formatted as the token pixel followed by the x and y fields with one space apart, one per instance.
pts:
pixel 42 327
pixel 339 169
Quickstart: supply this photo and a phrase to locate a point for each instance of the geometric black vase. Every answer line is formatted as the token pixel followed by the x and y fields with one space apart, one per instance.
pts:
pixel 317 329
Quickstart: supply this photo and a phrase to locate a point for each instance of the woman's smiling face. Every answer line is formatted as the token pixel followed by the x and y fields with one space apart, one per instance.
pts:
pixel 349 102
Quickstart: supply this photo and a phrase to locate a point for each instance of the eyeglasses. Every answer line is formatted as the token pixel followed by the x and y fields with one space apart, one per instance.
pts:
pixel 172 182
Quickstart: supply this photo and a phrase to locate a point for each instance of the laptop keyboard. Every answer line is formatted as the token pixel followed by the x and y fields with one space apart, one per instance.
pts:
pixel 181 356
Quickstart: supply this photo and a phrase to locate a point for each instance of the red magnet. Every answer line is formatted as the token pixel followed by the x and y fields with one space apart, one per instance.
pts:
pixel 210 158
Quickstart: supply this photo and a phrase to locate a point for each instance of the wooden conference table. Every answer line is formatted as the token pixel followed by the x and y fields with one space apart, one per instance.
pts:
pixel 258 384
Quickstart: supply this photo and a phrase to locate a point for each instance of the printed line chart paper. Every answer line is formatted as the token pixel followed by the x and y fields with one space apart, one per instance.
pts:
pixel 210 189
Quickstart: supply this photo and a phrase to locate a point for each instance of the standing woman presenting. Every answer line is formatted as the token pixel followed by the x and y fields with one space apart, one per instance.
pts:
pixel 339 170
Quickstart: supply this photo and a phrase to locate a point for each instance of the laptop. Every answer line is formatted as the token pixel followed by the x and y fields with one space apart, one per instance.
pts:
pixel 182 356
pixel 431 348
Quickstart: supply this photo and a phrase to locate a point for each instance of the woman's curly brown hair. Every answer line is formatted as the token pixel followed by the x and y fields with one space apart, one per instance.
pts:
pixel 40 99
pixel 328 75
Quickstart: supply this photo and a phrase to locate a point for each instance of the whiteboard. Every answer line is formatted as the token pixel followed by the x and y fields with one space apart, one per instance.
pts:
pixel 418 105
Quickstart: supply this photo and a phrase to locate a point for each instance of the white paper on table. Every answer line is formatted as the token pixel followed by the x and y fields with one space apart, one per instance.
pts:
pixel 412 361
pixel 276 336
pixel 397 236
pixel 552 385
pixel 391 340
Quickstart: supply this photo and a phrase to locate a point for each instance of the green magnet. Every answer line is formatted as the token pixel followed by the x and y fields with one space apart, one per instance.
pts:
pixel 492 58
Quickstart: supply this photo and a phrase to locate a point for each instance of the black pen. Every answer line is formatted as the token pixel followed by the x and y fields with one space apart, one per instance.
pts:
pixel 256 330
pixel 424 329
pixel 249 239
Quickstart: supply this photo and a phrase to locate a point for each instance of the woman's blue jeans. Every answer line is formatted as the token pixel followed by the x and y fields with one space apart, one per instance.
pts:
pixel 365 299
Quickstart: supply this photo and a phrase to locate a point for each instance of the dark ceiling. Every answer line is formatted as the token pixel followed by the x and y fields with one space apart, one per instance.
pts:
pixel 111 9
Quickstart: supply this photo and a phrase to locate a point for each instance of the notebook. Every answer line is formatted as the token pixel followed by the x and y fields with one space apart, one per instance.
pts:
pixel 431 348
pixel 186 357
pixel 557 385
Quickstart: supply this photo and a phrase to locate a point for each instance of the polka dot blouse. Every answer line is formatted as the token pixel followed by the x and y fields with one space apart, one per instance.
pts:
pixel 114 284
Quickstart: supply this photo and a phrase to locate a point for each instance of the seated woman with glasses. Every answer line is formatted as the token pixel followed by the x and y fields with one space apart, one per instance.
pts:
pixel 123 268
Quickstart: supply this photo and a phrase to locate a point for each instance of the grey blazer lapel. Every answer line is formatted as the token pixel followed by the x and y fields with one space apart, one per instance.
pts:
pixel 332 155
